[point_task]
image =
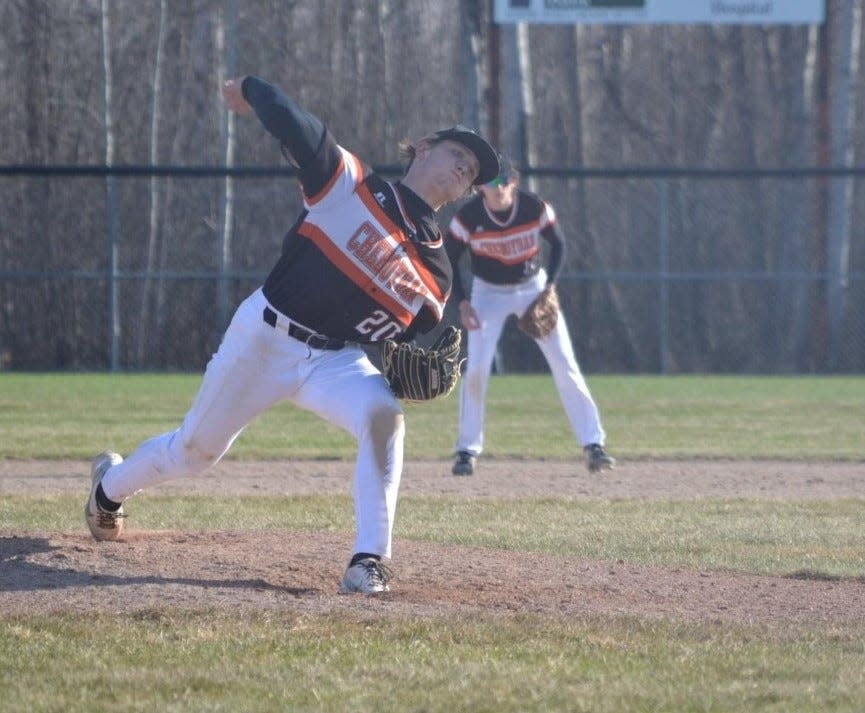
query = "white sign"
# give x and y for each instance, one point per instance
(671, 12)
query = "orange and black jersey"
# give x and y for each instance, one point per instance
(365, 260)
(505, 248)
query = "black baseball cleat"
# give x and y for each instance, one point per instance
(597, 458)
(464, 464)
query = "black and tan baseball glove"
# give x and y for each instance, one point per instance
(418, 374)
(541, 315)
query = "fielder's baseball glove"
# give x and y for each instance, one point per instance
(541, 316)
(418, 374)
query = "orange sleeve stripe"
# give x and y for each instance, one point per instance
(425, 275)
(354, 273)
(373, 207)
(337, 174)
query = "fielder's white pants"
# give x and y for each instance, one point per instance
(494, 304)
(257, 366)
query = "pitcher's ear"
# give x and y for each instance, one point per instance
(422, 148)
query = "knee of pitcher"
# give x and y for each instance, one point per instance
(386, 433)
(387, 423)
(194, 457)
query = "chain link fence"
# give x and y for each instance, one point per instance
(665, 271)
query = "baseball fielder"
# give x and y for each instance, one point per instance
(364, 262)
(502, 229)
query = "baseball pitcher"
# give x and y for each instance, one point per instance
(364, 263)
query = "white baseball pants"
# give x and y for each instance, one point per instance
(493, 304)
(257, 366)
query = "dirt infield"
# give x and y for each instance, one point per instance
(48, 571)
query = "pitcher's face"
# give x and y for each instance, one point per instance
(451, 167)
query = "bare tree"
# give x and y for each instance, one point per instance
(519, 97)
(845, 71)
(155, 186)
(793, 92)
(472, 18)
(111, 190)
(225, 46)
(591, 95)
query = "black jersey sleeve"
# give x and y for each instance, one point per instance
(456, 248)
(423, 323)
(553, 236)
(299, 131)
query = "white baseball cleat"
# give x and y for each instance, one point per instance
(103, 524)
(367, 576)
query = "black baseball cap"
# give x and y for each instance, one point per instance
(484, 153)
(506, 171)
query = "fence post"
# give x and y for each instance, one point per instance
(113, 231)
(663, 188)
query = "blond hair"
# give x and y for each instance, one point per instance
(408, 148)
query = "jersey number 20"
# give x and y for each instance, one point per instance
(378, 326)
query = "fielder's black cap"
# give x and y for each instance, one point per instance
(506, 169)
(487, 158)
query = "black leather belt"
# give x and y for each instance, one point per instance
(302, 334)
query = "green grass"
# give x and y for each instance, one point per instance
(213, 661)
(824, 538)
(814, 418)
(372, 656)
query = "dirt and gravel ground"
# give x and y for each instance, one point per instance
(237, 570)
